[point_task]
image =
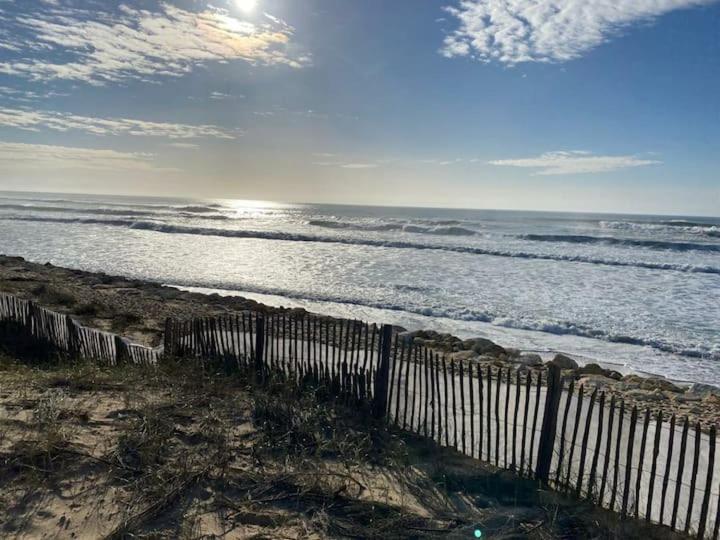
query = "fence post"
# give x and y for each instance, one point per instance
(169, 338)
(379, 407)
(73, 341)
(122, 354)
(260, 348)
(547, 432)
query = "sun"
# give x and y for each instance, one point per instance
(247, 6)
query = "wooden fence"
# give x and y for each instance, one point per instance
(23, 321)
(582, 442)
(535, 422)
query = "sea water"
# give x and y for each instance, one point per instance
(638, 292)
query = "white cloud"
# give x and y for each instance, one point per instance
(23, 157)
(344, 165)
(101, 46)
(514, 31)
(576, 162)
(358, 166)
(33, 120)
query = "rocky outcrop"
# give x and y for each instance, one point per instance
(564, 362)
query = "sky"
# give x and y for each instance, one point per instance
(576, 105)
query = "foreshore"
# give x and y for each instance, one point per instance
(137, 309)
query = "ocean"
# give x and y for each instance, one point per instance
(638, 292)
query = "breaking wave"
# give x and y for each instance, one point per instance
(396, 244)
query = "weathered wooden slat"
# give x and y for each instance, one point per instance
(445, 402)
(436, 377)
(395, 381)
(653, 467)
(608, 446)
(489, 414)
(668, 462)
(528, 385)
(515, 421)
(681, 468)
(472, 409)
(693, 477)
(641, 462)
(406, 397)
(563, 429)
(497, 417)
(702, 525)
(454, 403)
(480, 410)
(628, 461)
(538, 393)
(616, 469)
(598, 441)
(426, 394)
(462, 407)
(415, 428)
(576, 425)
(584, 446)
(506, 420)
(433, 397)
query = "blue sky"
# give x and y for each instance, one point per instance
(559, 104)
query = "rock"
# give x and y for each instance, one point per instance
(687, 398)
(659, 384)
(596, 381)
(564, 362)
(528, 360)
(592, 369)
(703, 390)
(483, 346)
(465, 356)
(645, 395)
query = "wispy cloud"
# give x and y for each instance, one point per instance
(27, 96)
(23, 157)
(575, 162)
(514, 31)
(99, 47)
(34, 120)
(347, 165)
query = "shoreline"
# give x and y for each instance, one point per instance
(137, 309)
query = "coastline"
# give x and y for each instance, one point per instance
(137, 309)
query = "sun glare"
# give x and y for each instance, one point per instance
(246, 5)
